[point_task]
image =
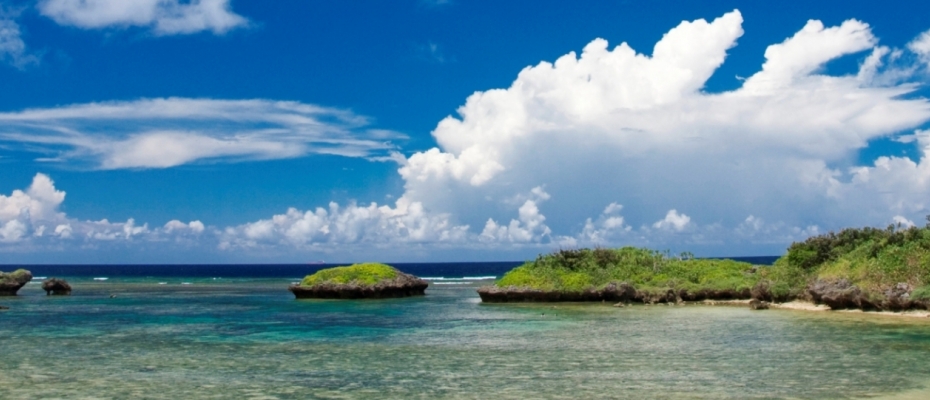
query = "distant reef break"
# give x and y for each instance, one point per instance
(359, 281)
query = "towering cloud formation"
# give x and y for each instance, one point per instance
(614, 125)
(21, 209)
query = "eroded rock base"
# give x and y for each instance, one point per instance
(56, 287)
(837, 295)
(10, 283)
(613, 292)
(404, 285)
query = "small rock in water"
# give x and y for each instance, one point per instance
(756, 304)
(112, 296)
(620, 304)
(4, 308)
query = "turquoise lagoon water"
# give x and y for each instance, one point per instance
(248, 338)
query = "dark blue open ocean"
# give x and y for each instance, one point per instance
(447, 270)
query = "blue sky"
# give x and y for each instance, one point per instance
(185, 131)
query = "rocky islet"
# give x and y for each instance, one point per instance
(359, 281)
(11, 282)
(56, 287)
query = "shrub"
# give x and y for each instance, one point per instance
(20, 275)
(921, 293)
(871, 258)
(363, 274)
(575, 270)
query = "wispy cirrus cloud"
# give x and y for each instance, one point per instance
(167, 132)
(163, 17)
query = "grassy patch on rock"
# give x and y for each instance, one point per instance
(647, 270)
(15, 276)
(872, 259)
(361, 274)
(11, 282)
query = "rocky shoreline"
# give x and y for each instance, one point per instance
(828, 295)
(612, 292)
(841, 294)
(403, 285)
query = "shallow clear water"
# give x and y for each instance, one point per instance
(248, 338)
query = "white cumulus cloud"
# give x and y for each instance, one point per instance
(163, 17)
(405, 223)
(31, 218)
(609, 227)
(529, 227)
(39, 202)
(673, 221)
(899, 220)
(616, 125)
(195, 227)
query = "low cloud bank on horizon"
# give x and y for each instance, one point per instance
(609, 147)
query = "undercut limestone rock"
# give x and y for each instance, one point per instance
(841, 294)
(56, 287)
(756, 304)
(614, 292)
(11, 282)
